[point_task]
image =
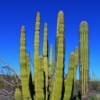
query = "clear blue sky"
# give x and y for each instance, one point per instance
(14, 13)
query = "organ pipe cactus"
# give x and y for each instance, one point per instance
(51, 64)
(28, 76)
(45, 59)
(28, 66)
(18, 95)
(59, 72)
(51, 70)
(69, 78)
(41, 79)
(84, 58)
(76, 62)
(49, 82)
(37, 67)
(23, 64)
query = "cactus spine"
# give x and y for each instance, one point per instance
(45, 59)
(84, 72)
(70, 77)
(59, 72)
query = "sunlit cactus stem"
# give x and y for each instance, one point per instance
(38, 72)
(28, 76)
(70, 78)
(28, 67)
(18, 95)
(51, 70)
(59, 71)
(76, 63)
(41, 80)
(23, 65)
(36, 55)
(51, 64)
(45, 58)
(84, 58)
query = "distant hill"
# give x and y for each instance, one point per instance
(94, 85)
(9, 78)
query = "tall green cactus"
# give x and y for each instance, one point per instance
(51, 70)
(69, 78)
(38, 88)
(41, 80)
(28, 67)
(45, 58)
(84, 58)
(59, 72)
(23, 64)
(28, 76)
(51, 64)
(18, 95)
(76, 62)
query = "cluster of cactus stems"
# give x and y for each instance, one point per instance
(48, 78)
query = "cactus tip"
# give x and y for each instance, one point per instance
(61, 13)
(84, 26)
(23, 28)
(38, 13)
